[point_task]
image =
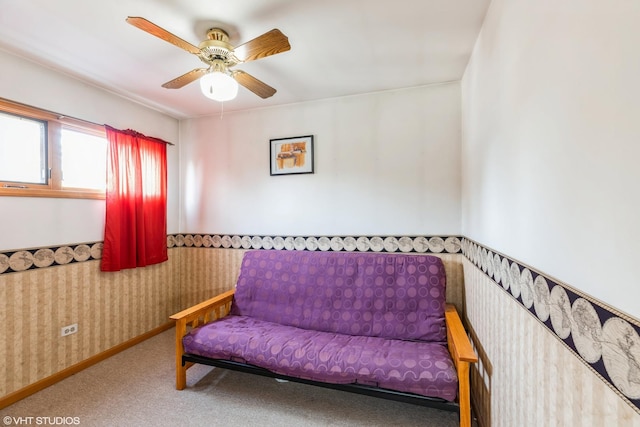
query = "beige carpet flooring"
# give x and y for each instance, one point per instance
(136, 388)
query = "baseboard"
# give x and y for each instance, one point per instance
(17, 395)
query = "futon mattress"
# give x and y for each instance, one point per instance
(418, 367)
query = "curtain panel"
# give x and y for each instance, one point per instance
(135, 232)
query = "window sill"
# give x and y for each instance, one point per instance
(45, 192)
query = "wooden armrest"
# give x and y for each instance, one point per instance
(197, 310)
(462, 354)
(204, 312)
(459, 343)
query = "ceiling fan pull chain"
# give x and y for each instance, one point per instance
(221, 110)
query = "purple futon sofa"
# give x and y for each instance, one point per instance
(374, 323)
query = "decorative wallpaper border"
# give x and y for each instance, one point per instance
(604, 339)
(406, 244)
(28, 259)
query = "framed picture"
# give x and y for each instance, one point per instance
(291, 155)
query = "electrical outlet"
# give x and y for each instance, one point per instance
(68, 330)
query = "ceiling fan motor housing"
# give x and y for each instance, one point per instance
(217, 47)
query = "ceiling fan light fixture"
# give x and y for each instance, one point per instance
(217, 80)
(219, 86)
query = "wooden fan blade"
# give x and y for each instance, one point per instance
(165, 35)
(185, 79)
(261, 89)
(268, 44)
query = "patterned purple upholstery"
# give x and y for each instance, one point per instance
(411, 366)
(375, 319)
(371, 294)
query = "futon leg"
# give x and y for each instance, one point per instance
(464, 395)
(181, 369)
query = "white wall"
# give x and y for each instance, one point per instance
(386, 163)
(31, 222)
(551, 107)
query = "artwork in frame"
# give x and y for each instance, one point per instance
(291, 155)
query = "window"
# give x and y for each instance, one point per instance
(23, 149)
(43, 154)
(84, 160)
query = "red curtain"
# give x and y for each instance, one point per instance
(135, 232)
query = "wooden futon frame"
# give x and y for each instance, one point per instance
(458, 343)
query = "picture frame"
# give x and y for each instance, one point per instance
(293, 155)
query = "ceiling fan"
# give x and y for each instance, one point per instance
(218, 80)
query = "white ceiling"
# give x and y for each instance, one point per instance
(338, 47)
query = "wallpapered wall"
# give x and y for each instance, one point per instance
(44, 289)
(549, 153)
(548, 354)
(109, 308)
(584, 366)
